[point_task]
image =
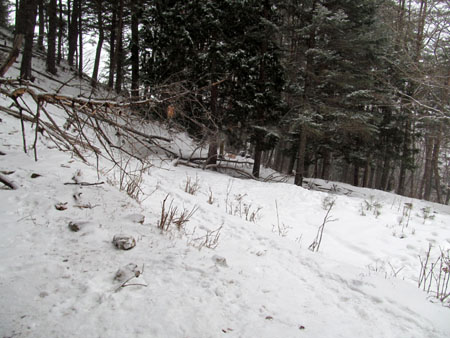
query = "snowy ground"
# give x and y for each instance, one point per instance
(260, 281)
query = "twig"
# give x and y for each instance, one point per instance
(83, 183)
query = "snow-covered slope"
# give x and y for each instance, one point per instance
(260, 281)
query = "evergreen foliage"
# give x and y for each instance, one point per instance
(356, 91)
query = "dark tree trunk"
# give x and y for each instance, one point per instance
(40, 41)
(112, 46)
(356, 176)
(404, 159)
(135, 16)
(16, 17)
(60, 32)
(372, 177)
(291, 163)
(26, 24)
(119, 72)
(101, 39)
(212, 153)
(385, 173)
(278, 156)
(326, 166)
(299, 171)
(257, 159)
(428, 173)
(366, 175)
(80, 43)
(435, 166)
(51, 39)
(12, 57)
(73, 32)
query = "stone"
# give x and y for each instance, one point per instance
(124, 242)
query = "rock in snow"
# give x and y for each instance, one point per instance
(124, 242)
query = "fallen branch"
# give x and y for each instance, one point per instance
(84, 184)
(7, 182)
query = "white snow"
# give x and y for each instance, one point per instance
(260, 281)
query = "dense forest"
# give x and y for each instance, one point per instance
(344, 90)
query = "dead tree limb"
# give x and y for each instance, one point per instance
(12, 55)
(7, 182)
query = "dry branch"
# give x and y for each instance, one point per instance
(7, 182)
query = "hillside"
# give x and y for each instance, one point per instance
(239, 266)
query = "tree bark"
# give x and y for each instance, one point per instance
(257, 159)
(60, 32)
(51, 39)
(212, 152)
(366, 175)
(80, 43)
(101, 39)
(404, 159)
(40, 41)
(326, 165)
(356, 176)
(26, 24)
(299, 171)
(112, 46)
(385, 173)
(428, 173)
(73, 32)
(135, 17)
(435, 165)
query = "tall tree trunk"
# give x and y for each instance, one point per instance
(120, 61)
(291, 163)
(428, 172)
(278, 155)
(212, 152)
(112, 46)
(257, 159)
(326, 165)
(135, 17)
(40, 41)
(73, 33)
(213, 143)
(299, 171)
(16, 16)
(385, 173)
(404, 158)
(51, 39)
(26, 24)
(80, 43)
(372, 178)
(435, 165)
(356, 175)
(60, 32)
(101, 39)
(366, 175)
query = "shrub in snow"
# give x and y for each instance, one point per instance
(171, 216)
(219, 260)
(372, 205)
(191, 186)
(426, 213)
(124, 242)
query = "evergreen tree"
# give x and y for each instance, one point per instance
(202, 43)
(332, 52)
